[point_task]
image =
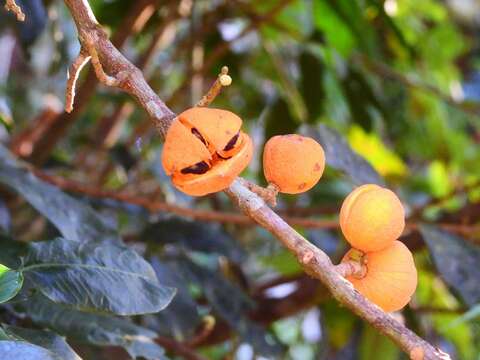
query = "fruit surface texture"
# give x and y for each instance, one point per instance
(372, 218)
(390, 279)
(293, 163)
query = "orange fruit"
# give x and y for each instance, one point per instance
(293, 163)
(371, 218)
(205, 150)
(390, 279)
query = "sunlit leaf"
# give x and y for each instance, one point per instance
(371, 147)
(438, 179)
(11, 282)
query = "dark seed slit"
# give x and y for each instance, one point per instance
(199, 168)
(232, 142)
(199, 136)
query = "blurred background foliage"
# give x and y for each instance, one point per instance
(391, 89)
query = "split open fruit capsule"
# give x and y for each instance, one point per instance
(371, 218)
(293, 163)
(205, 150)
(390, 279)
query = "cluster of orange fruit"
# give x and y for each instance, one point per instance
(372, 219)
(205, 150)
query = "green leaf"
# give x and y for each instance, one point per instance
(99, 330)
(92, 277)
(45, 339)
(456, 260)
(340, 156)
(283, 262)
(11, 282)
(311, 83)
(231, 303)
(194, 235)
(74, 219)
(279, 120)
(371, 147)
(337, 33)
(373, 343)
(181, 318)
(470, 315)
(21, 350)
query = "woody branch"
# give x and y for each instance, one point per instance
(314, 261)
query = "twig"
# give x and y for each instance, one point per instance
(11, 5)
(222, 217)
(87, 52)
(72, 77)
(314, 261)
(268, 194)
(89, 46)
(128, 77)
(222, 80)
(350, 268)
(46, 139)
(208, 325)
(159, 206)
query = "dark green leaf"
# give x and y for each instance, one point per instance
(340, 156)
(12, 251)
(311, 83)
(11, 282)
(361, 98)
(181, 318)
(456, 260)
(194, 235)
(232, 304)
(45, 339)
(88, 276)
(75, 220)
(279, 119)
(95, 329)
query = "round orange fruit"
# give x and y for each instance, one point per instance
(293, 163)
(390, 278)
(371, 218)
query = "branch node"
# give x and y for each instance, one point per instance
(307, 257)
(268, 194)
(222, 80)
(352, 268)
(11, 5)
(72, 76)
(417, 353)
(103, 77)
